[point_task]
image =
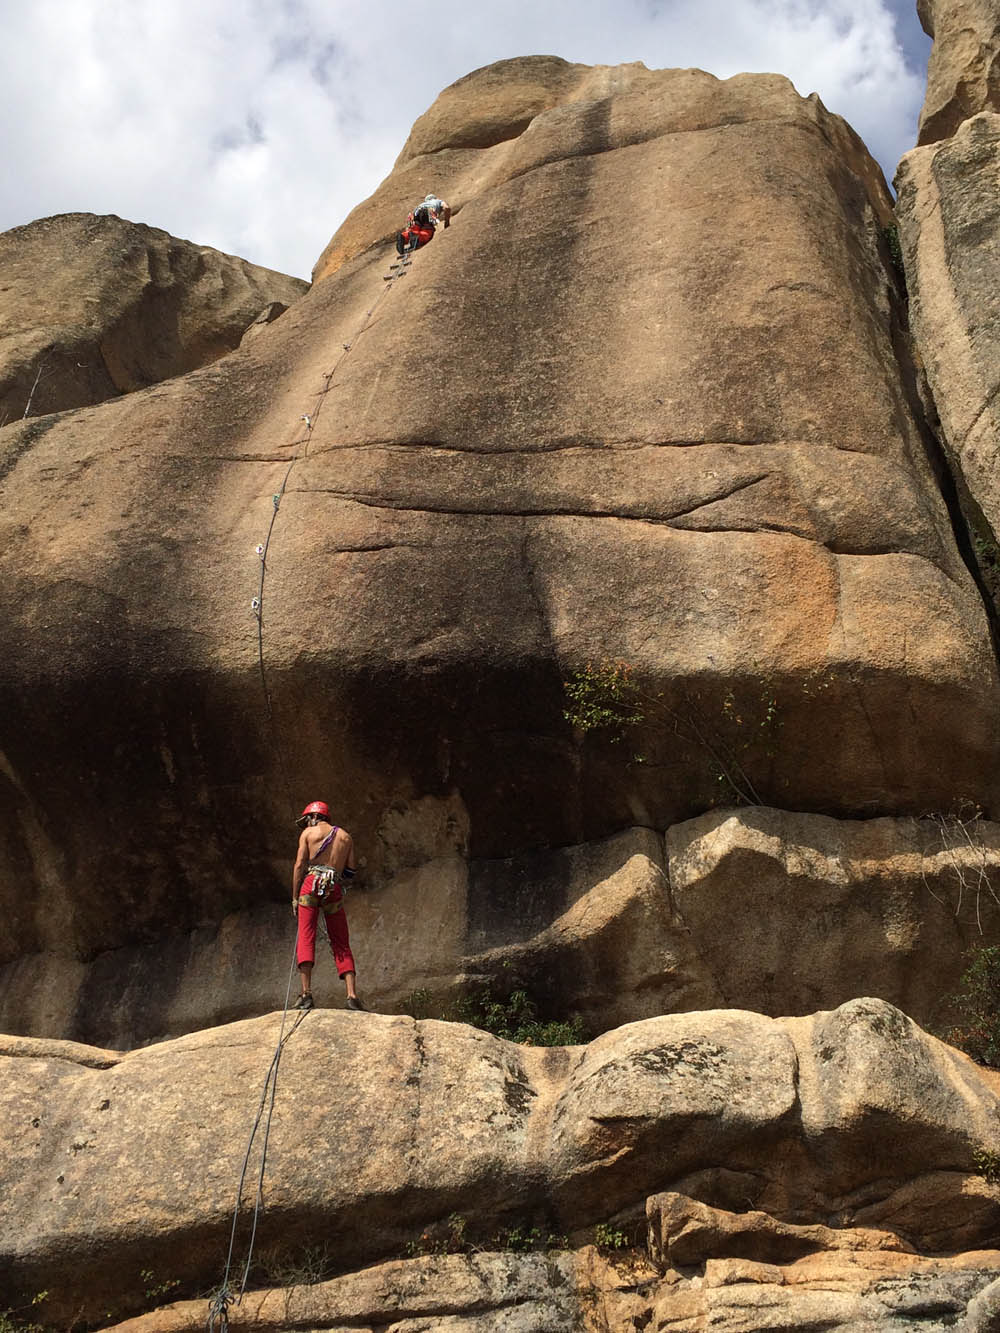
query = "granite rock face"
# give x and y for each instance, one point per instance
(720, 1107)
(828, 909)
(511, 117)
(587, 1291)
(650, 399)
(94, 307)
(753, 908)
(949, 226)
(632, 441)
(586, 930)
(963, 73)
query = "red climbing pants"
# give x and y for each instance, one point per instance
(336, 928)
(423, 234)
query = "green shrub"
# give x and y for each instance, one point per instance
(17, 1321)
(418, 1004)
(285, 1266)
(732, 734)
(891, 237)
(987, 1163)
(154, 1289)
(450, 1236)
(446, 1238)
(11, 1322)
(512, 1017)
(525, 1239)
(603, 697)
(607, 1237)
(515, 1018)
(979, 1003)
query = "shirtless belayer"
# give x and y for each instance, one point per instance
(323, 866)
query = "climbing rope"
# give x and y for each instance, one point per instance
(218, 1313)
(261, 550)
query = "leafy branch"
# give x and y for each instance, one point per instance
(608, 697)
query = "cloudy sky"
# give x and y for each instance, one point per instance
(256, 125)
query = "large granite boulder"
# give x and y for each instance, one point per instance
(646, 399)
(963, 73)
(119, 1173)
(949, 226)
(590, 1291)
(827, 909)
(511, 117)
(95, 306)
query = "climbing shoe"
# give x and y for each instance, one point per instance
(304, 1002)
(399, 243)
(354, 1003)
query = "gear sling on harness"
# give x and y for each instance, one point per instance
(325, 882)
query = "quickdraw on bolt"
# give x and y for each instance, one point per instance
(255, 605)
(277, 500)
(259, 548)
(307, 420)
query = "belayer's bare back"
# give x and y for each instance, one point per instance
(336, 851)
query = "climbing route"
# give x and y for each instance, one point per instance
(309, 419)
(225, 1297)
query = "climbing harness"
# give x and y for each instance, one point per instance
(326, 877)
(325, 883)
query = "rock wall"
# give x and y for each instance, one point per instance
(590, 1291)
(754, 908)
(820, 910)
(949, 222)
(587, 930)
(949, 228)
(511, 117)
(382, 1128)
(623, 439)
(94, 307)
(652, 398)
(963, 73)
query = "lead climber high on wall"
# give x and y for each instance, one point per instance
(422, 222)
(323, 865)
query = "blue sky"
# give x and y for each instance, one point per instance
(256, 125)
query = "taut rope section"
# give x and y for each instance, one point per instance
(310, 419)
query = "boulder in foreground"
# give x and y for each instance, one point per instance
(383, 1127)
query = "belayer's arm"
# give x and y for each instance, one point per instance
(299, 869)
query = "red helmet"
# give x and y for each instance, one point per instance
(314, 808)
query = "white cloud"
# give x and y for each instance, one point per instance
(256, 125)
